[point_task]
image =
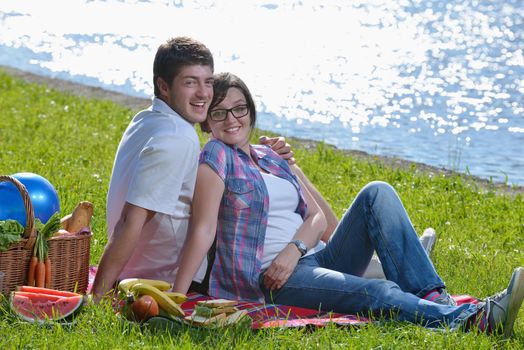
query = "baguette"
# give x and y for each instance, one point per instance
(235, 317)
(217, 303)
(80, 218)
(204, 321)
(223, 310)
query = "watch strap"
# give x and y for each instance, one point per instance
(301, 246)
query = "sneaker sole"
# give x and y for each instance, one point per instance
(516, 288)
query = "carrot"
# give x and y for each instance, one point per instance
(47, 263)
(40, 274)
(31, 271)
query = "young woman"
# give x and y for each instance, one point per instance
(268, 229)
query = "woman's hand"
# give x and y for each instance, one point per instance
(281, 268)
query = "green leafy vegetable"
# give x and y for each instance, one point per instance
(7, 239)
(52, 225)
(10, 232)
(203, 311)
(44, 233)
(11, 227)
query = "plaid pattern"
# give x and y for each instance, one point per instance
(242, 218)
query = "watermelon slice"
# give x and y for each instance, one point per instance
(39, 307)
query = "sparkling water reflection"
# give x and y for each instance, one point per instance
(439, 82)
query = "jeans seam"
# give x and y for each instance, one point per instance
(371, 215)
(387, 306)
(335, 251)
(312, 289)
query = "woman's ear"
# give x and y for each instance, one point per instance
(204, 126)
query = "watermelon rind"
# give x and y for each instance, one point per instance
(33, 307)
(41, 290)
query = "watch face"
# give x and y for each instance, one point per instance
(301, 246)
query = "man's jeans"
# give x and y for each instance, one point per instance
(331, 280)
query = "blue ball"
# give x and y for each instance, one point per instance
(42, 193)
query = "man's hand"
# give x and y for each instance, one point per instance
(280, 146)
(281, 268)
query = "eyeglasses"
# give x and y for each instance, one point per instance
(219, 115)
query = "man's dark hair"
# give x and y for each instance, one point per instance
(177, 53)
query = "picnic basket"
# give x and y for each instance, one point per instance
(69, 254)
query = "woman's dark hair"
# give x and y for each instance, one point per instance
(177, 53)
(222, 83)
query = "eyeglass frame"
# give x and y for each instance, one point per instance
(229, 110)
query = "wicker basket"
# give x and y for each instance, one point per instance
(69, 254)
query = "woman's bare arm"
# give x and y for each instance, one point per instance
(209, 189)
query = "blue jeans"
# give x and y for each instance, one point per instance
(331, 279)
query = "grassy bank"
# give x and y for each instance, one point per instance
(71, 141)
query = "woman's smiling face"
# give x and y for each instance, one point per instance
(232, 131)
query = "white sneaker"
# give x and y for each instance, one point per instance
(428, 239)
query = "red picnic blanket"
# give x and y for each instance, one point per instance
(283, 316)
(274, 315)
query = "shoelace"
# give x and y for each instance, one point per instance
(499, 295)
(445, 299)
(487, 312)
(489, 309)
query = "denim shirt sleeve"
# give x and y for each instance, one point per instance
(214, 155)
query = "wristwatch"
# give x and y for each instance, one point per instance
(301, 246)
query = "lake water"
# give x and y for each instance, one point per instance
(432, 81)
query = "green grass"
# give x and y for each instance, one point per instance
(72, 141)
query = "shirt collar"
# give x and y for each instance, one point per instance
(158, 105)
(257, 151)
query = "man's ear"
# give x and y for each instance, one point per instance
(163, 87)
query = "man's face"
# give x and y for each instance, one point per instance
(191, 92)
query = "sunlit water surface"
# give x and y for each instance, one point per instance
(433, 81)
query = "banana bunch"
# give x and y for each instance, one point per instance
(164, 302)
(178, 298)
(126, 284)
(158, 290)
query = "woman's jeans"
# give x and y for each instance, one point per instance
(331, 280)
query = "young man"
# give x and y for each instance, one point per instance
(153, 178)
